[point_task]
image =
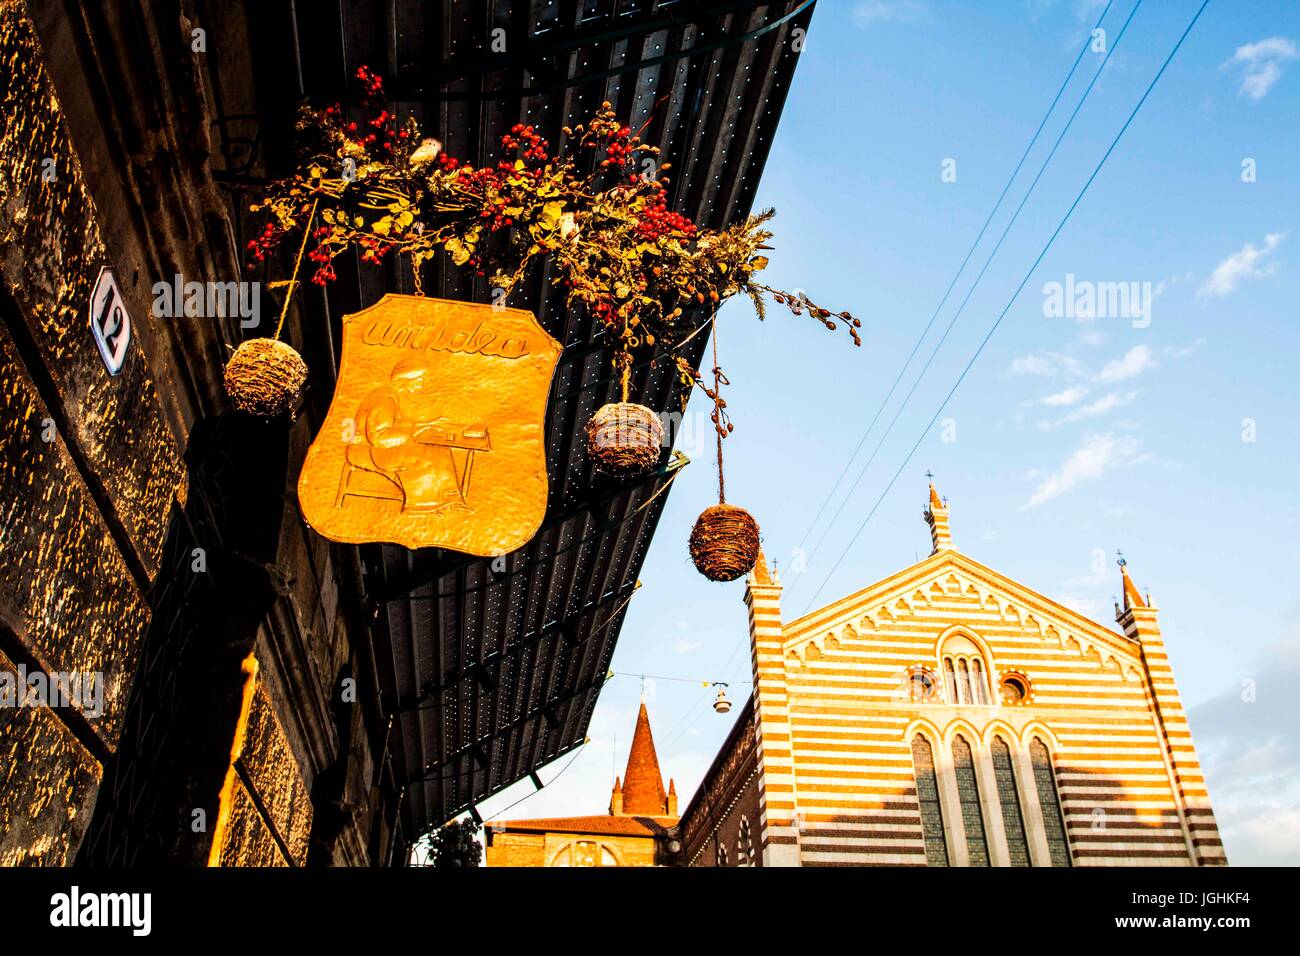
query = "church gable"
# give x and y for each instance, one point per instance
(945, 589)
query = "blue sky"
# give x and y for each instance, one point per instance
(1174, 439)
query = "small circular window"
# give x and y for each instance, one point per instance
(1015, 689)
(921, 685)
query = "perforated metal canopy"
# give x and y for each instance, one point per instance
(491, 670)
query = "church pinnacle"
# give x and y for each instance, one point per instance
(1132, 598)
(936, 516)
(761, 574)
(1136, 615)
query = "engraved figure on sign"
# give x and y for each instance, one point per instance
(416, 453)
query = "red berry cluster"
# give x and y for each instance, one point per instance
(372, 85)
(619, 150)
(658, 220)
(496, 193)
(384, 132)
(321, 256)
(526, 138)
(373, 250)
(262, 246)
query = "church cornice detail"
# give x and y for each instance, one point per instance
(1008, 594)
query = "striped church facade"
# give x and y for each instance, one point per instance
(949, 716)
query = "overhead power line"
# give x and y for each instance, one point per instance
(1015, 295)
(957, 275)
(974, 285)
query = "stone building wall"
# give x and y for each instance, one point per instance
(569, 849)
(130, 546)
(88, 471)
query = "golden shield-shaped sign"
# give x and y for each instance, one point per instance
(436, 436)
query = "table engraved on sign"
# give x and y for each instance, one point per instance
(414, 456)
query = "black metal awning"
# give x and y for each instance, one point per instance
(489, 672)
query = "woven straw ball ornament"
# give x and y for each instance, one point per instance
(624, 440)
(724, 543)
(265, 377)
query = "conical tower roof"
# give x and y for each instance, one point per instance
(1131, 596)
(643, 782)
(936, 503)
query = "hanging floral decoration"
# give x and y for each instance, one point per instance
(595, 209)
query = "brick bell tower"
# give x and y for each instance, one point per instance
(640, 791)
(639, 830)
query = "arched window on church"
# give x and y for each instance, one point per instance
(927, 795)
(744, 844)
(968, 792)
(965, 672)
(1008, 796)
(586, 853)
(978, 682)
(1049, 800)
(963, 681)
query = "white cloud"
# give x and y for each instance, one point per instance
(1065, 397)
(1097, 455)
(683, 646)
(869, 12)
(1135, 361)
(1101, 406)
(1261, 832)
(1047, 363)
(1182, 351)
(1252, 763)
(1084, 9)
(1245, 263)
(1261, 64)
(1130, 365)
(1036, 364)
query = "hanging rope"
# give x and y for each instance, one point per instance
(718, 427)
(415, 276)
(623, 362)
(293, 280)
